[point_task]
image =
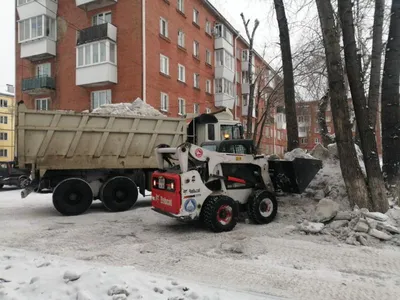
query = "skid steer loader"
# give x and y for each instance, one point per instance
(214, 183)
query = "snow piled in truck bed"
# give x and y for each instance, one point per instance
(136, 108)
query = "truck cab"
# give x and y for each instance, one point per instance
(11, 174)
(217, 126)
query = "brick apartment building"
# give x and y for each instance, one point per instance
(180, 56)
(307, 118)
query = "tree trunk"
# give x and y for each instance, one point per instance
(351, 171)
(376, 62)
(251, 95)
(390, 111)
(323, 128)
(367, 133)
(288, 81)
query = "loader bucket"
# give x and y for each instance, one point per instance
(293, 176)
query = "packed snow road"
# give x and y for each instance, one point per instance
(271, 259)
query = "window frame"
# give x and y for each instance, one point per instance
(181, 6)
(108, 98)
(104, 21)
(196, 16)
(181, 38)
(164, 106)
(196, 80)
(164, 59)
(41, 100)
(181, 106)
(106, 50)
(47, 31)
(183, 68)
(162, 28)
(3, 136)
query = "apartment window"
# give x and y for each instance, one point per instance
(328, 118)
(3, 120)
(237, 53)
(223, 58)
(164, 64)
(181, 6)
(304, 140)
(37, 27)
(218, 85)
(195, 16)
(208, 110)
(100, 98)
(163, 27)
(3, 103)
(223, 32)
(164, 102)
(223, 85)
(181, 39)
(181, 73)
(245, 55)
(316, 140)
(208, 86)
(244, 100)
(196, 48)
(196, 80)
(43, 70)
(208, 57)
(42, 104)
(95, 53)
(196, 108)
(237, 76)
(316, 130)
(302, 129)
(101, 18)
(208, 27)
(3, 153)
(329, 129)
(237, 100)
(3, 136)
(181, 106)
(245, 77)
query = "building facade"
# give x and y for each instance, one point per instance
(7, 123)
(180, 56)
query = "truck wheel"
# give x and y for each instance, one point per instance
(262, 207)
(119, 194)
(72, 196)
(219, 213)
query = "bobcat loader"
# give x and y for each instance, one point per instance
(213, 186)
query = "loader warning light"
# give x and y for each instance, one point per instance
(226, 136)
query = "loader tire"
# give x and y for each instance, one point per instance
(262, 207)
(119, 194)
(220, 213)
(72, 197)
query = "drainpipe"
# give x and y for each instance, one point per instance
(235, 79)
(144, 49)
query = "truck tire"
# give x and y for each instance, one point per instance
(219, 213)
(119, 194)
(72, 196)
(262, 207)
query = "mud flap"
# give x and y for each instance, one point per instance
(293, 176)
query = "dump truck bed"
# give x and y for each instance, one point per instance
(61, 140)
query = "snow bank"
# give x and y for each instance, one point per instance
(31, 276)
(136, 108)
(298, 152)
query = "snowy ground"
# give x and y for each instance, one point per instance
(265, 260)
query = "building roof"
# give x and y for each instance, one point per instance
(7, 94)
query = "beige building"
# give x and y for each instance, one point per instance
(7, 125)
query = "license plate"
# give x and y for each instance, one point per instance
(161, 183)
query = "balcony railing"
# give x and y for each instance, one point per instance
(97, 33)
(38, 84)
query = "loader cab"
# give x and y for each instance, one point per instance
(231, 146)
(212, 127)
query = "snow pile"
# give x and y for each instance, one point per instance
(26, 275)
(297, 153)
(136, 108)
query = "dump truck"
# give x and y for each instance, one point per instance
(82, 157)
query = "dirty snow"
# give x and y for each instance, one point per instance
(298, 152)
(136, 108)
(274, 260)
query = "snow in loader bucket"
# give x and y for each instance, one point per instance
(293, 176)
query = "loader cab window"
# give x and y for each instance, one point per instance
(211, 132)
(230, 132)
(211, 147)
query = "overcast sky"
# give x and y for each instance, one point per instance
(267, 33)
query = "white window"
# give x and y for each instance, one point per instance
(181, 106)
(100, 98)
(3, 103)
(42, 104)
(208, 27)
(3, 120)
(101, 18)
(196, 108)
(208, 110)
(237, 100)
(245, 55)
(245, 77)
(218, 85)
(223, 32)
(237, 76)
(43, 70)
(181, 39)
(196, 48)
(3, 136)
(244, 100)
(181, 73)
(223, 58)
(328, 118)
(196, 80)
(195, 16)
(237, 53)
(208, 86)
(329, 129)
(37, 27)
(304, 140)
(22, 2)
(316, 140)
(95, 53)
(208, 57)
(164, 64)
(181, 6)
(3, 153)
(164, 102)
(223, 85)
(163, 27)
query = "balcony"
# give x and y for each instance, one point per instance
(280, 121)
(38, 49)
(223, 38)
(245, 62)
(245, 88)
(245, 109)
(224, 100)
(224, 72)
(94, 4)
(31, 8)
(38, 85)
(96, 33)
